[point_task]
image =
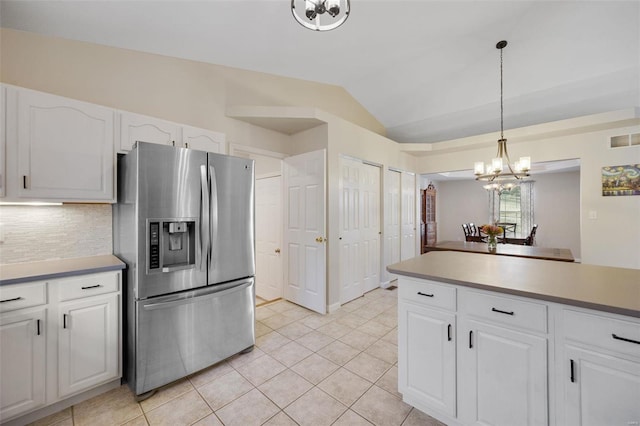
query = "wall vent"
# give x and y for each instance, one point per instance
(625, 140)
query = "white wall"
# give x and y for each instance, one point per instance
(557, 210)
(458, 202)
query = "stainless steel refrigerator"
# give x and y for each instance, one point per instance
(184, 225)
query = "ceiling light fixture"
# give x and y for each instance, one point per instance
(321, 15)
(499, 188)
(494, 170)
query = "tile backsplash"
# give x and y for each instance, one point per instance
(35, 233)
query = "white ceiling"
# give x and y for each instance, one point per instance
(427, 70)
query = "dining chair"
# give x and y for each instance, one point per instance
(531, 239)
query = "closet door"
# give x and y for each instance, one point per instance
(370, 232)
(408, 211)
(391, 242)
(351, 251)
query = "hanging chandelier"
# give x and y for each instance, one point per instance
(321, 15)
(495, 171)
(499, 187)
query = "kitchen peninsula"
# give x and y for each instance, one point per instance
(509, 340)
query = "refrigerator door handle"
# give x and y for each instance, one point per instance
(205, 243)
(201, 294)
(213, 236)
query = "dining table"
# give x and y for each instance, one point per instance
(534, 252)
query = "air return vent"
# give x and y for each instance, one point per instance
(625, 140)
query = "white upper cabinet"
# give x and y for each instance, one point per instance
(59, 149)
(136, 127)
(203, 140)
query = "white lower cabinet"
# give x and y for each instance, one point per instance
(58, 338)
(600, 371)
(502, 375)
(516, 361)
(22, 361)
(87, 343)
(427, 371)
(600, 389)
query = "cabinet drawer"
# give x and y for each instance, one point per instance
(88, 285)
(599, 330)
(504, 310)
(427, 293)
(20, 296)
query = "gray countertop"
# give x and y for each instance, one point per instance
(615, 290)
(51, 269)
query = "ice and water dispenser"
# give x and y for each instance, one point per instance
(172, 245)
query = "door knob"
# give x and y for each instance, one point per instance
(320, 239)
(278, 250)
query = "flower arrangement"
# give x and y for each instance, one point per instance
(492, 230)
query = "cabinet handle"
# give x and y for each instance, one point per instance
(624, 339)
(173, 143)
(91, 286)
(425, 294)
(470, 339)
(502, 312)
(186, 144)
(573, 371)
(24, 182)
(38, 327)
(11, 300)
(449, 333)
(64, 320)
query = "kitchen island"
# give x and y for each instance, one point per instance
(509, 340)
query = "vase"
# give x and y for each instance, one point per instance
(492, 244)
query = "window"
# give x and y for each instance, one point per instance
(510, 211)
(514, 206)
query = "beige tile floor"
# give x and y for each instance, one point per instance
(306, 369)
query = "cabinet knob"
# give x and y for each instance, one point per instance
(278, 250)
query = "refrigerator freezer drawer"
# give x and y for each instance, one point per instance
(184, 333)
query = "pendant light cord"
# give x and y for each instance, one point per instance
(501, 104)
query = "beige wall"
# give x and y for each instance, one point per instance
(179, 90)
(613, 238)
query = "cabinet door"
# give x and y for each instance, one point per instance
(65, 148)
(88, 343)
(600, 389)
(136, 127)
(427, 357)
(22, 361)
(203, 140)
(502, 376)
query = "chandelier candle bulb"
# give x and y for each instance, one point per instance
(496, 165)
(478, 168)
(525, 164)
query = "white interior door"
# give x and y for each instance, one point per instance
(370, 234)
(305, 238)
(269, 237)
(351, 259)
(392, 184)
(408, 211)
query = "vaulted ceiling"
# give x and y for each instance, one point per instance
(427, 70)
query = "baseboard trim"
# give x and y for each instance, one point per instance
(61, 405)
(333, 308)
